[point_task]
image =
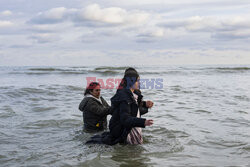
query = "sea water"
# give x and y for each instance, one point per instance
(201, 117)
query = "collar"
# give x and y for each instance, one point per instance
(98, 99)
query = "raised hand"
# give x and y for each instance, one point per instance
(149, 122)
(149, 104)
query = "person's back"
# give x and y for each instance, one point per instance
(124, 117)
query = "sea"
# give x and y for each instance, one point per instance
(201, 116)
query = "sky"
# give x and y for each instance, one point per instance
(124, 32)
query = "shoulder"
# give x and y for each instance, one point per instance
(123, 95)
(84, 103)
(91, 101)
(85, 100)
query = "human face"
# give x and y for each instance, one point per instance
(96, 92)
(136, 85)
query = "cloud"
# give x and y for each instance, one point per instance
(91, 15)
(44, 37)
(52, 16)
(126, 25)
(20, 46)
(219, 27)
(151, 34)
(6, 13)
(208, 23)
(6, 24)
(100, 23)
(50, 28)
(231, 35)
(112, 15)
(44, 28)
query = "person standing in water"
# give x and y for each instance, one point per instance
(135, 135)
(125, 119)
(94, 108)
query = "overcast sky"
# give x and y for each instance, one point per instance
(124, 32)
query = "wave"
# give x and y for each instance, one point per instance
(68, 71)
(106, 72)
(44, 69)
(110, 68)
(116, 70)
(49, 70)
(113, 71)
(57, 69)
(169, 72)
(48, 73)
(103, 72)
(63, 123)
(234, 68)
(227, 69)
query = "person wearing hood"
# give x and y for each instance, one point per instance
(94, 108)
(126, 120)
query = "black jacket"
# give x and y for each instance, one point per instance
(124, 116)
(94, 114)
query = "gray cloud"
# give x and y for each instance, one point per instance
(20, 46)
(144, 40)
(45, 38)
(209, 23)
(149, 37)
(232, 35)
(53, 16)
(218, 27)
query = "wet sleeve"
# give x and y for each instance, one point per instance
(105, 104)
(142, 108)
(127, 120)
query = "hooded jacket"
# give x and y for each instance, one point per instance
(94, 113)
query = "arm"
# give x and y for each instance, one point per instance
(127, 120)
(144, 106)
(82, 105)
(143, 109)
(105, 104)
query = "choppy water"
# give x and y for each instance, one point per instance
(201, 117)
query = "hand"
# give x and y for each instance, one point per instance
(149, 104)
(149, 122)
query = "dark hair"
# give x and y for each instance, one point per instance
(130, 69)
(129, 79)
(90, 88)
(130, 72)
